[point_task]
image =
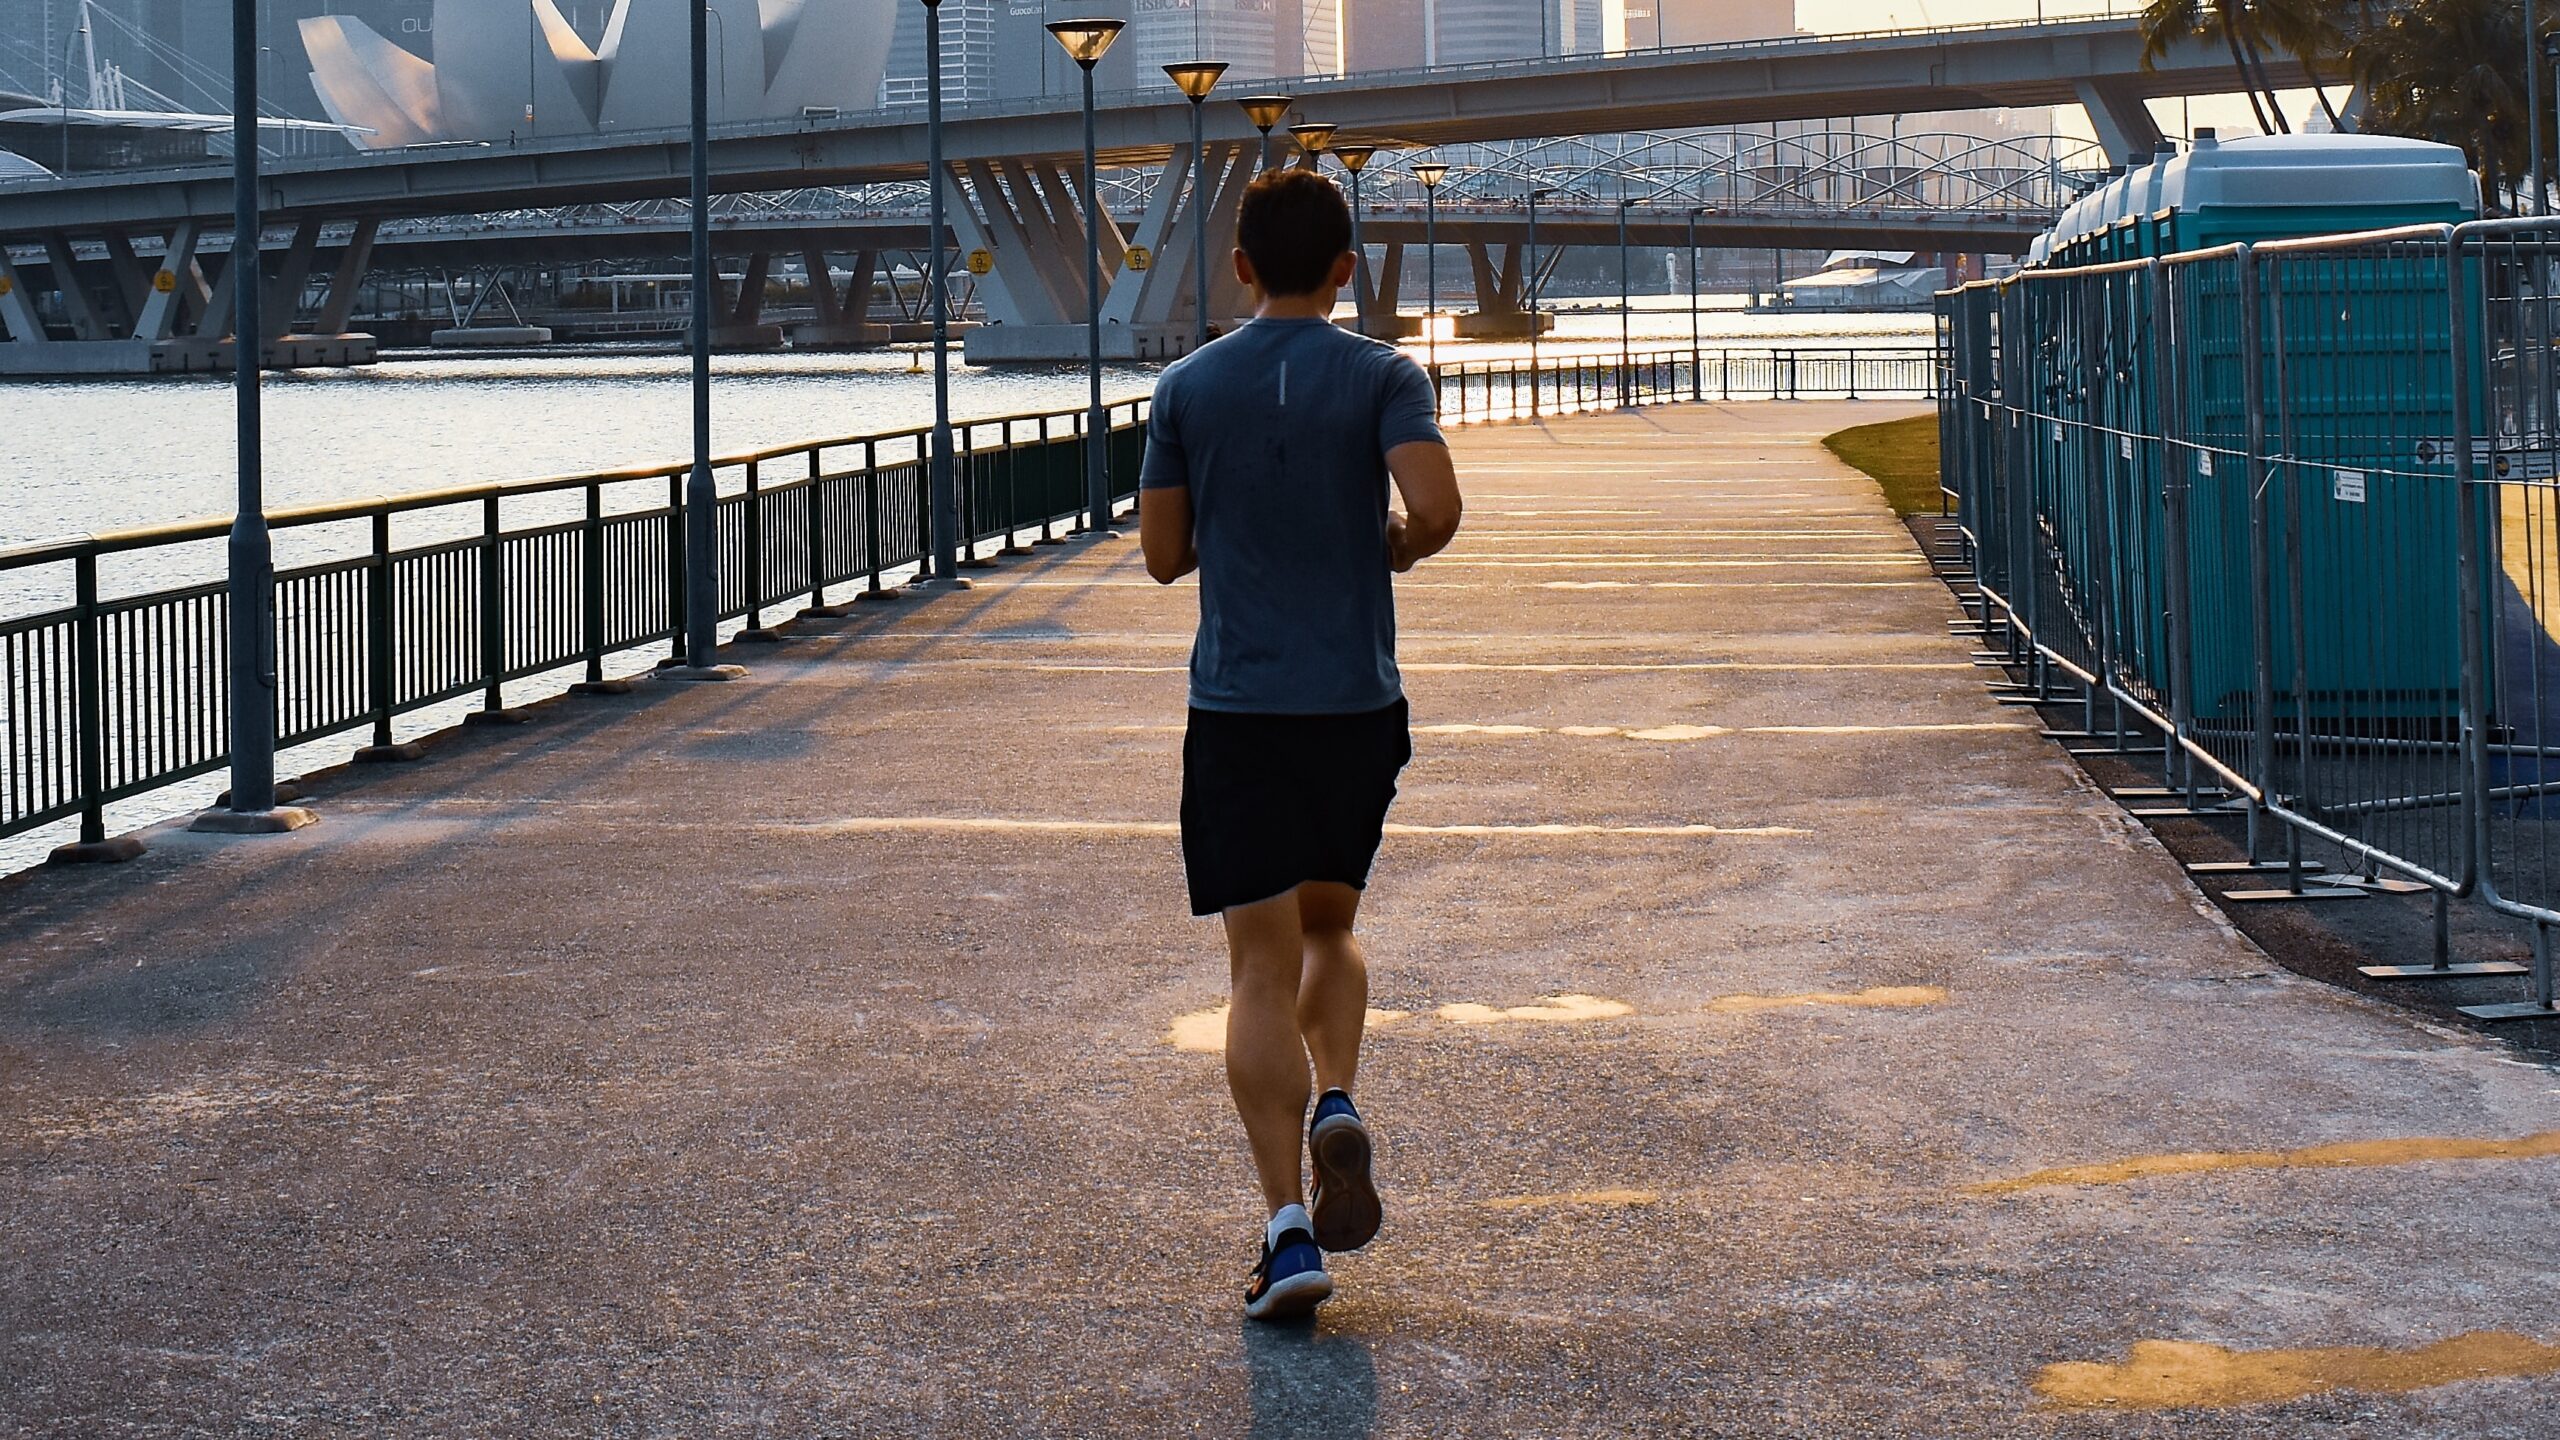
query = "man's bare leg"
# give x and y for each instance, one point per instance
(1266, 1058)
(1333, 990)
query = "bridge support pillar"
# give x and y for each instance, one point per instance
(1379, 319)
(1502, 294)
(128, 316)
(2122, 121)
(744, 328)
(844, 321)
(1026, 220)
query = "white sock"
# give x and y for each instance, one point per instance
(1291, 1217)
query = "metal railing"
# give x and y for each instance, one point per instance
(113, 669)
(121, 686)
(1508, 389)
(2291, 505)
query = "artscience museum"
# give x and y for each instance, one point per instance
(508, 68)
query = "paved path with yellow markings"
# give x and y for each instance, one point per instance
(1774, 1038)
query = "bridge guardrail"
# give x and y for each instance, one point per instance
(2294, 507)
(112, 656)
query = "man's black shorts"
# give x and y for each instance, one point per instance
(1270, 802)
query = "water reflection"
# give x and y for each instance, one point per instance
(1309, 1383)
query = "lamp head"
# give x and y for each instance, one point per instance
(1265, 110)
(1431, 173)
(1087, 41)
(1314, 137)
(1196, 78)
(1355, 157)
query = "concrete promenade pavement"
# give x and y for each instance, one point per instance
(827, 1054)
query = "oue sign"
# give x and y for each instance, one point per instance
(982, 262)
(1141, 258)
(165, 282)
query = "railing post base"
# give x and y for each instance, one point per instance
(403, 754)
(112, 851)
(875, 597)
(282, 820)
(702, 674)
(828, 611)
(759, 635)
(484, 719)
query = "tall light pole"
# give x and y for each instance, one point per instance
(252, 633)
(1196, 80)
(1697, 330)
(1314, 138)
(1355, 158)
(1535, 195)
(1431, 173)
(1626, 304)
(943, 490)
(2533, 109)
(1265, 111)
(1086, 42)
(701, 619)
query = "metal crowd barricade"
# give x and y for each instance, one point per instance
(2295, 506)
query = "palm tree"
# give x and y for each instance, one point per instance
(2314, 32)
(2451, 70)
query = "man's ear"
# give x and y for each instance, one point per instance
(1345, 268)
(1244, 270)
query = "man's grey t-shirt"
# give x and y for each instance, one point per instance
(1280, 431)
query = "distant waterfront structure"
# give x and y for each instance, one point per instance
(508, 68)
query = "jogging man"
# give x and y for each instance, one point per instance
(1268, 458)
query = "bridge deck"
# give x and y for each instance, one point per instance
(821, 1054)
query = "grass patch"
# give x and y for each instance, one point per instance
(1902, 455)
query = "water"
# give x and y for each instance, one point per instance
(85, 456)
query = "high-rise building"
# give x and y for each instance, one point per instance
(1705, 22)
(968, 54)
(1243, 33)
(1466, 31)
(1384, 34)
(1310, 37)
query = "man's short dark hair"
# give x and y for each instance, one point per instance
(1293, 227)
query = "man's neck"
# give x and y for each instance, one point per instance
(1318, 306)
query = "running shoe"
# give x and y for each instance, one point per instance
(1346, 1201)
(1290, 1282)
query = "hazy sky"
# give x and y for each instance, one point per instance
(2230, 114)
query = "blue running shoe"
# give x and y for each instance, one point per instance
(1290, 1282)
(1346, 1201)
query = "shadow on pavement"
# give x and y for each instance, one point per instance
(1309, 1384)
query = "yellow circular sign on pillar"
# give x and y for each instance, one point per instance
(982, 262)
(1141, 258)
(7, 285)
(164, 282)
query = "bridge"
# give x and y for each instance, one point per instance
(1009, 167)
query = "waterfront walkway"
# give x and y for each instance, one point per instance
(825, 1054)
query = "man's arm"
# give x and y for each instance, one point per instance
(1164, 532)
(1427, 478)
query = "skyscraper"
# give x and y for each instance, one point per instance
(1243, 33)
(1705, 22)
(1473, 30)
(1383, 35)
(968, 54)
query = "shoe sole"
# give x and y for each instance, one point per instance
(1347, 1210)
(1292, 1299)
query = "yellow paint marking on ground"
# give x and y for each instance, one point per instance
(1610, 1199)
(1675, 733)
(1884, 997)
(1460, 729)
(1536, 667)
(997, 824)
(1888, 729)
(1734, 584)
(2166, 1374)
(1552, 1010)
(1204, 1032)
(2348, 1155)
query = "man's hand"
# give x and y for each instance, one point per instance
(1428, 480)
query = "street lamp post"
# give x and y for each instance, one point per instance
(943, 490)
(1355, 158)
(2533, 111)
(1535, 195)
(1314, 138)
(1697, 330)
(1265, 111)
(1431, 173)
(1086, 41)
(252, 633)
(1196, 80)
(1626, 305)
